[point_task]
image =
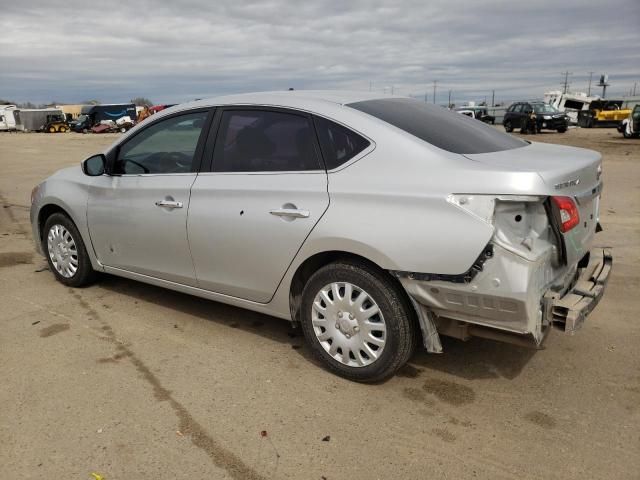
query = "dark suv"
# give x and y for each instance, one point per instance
(546, 116)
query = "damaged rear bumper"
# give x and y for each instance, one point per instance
(569, 311)
(510, 300)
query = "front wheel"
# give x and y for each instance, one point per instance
(66, 253)
(562, 130)
(358, 321)
(508, 126)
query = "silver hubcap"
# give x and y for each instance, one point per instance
(348, 324)
(62, 251)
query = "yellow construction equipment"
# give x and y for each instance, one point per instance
(603, 113)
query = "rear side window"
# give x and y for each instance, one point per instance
(338, 144)
(264, 141)
(440, 127)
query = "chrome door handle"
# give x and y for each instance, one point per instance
(290, 212)
(168, 204)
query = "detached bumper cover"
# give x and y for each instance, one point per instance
(569, 311)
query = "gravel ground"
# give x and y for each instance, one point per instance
(132, 381)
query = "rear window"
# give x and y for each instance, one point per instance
(442, 128)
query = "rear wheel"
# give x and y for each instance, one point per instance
(562, 130)
(508, 126)
(51, 129)
(66, 252)
(357, 321)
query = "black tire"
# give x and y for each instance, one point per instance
(508, 127)
(398, 313)
(562, 130)
(85, 274)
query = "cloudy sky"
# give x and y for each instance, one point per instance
(177, 50)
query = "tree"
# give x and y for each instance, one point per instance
(91, 102)
(142, 102)
(6, 102)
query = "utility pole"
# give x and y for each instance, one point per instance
(634, 88)
(493, 98)
(370, 85)
(566, 81)
(589, 90)
(426, 97)
(449, 104)
(434, 91)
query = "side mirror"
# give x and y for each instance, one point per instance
(94, 166)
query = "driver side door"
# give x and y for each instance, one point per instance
(137, 212)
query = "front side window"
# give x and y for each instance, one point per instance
(264, 141)
(167, 146)
(338, 144)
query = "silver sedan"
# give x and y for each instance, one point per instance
(376, 223)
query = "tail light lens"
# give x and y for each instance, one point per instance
(568, 210)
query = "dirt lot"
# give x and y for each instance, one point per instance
(132, 381)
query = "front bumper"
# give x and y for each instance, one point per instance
(553, 124)
(570, 310)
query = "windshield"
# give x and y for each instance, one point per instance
(81, 118)
(440, 127)
(544, 108)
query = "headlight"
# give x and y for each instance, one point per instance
(547, 117)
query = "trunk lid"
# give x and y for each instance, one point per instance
(566, 171)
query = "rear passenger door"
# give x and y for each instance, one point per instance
(265, 190)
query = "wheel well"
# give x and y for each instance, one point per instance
(46, 212)
(315, 263)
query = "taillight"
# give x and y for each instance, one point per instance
(568, 210)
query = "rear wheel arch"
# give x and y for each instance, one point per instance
(315, 262)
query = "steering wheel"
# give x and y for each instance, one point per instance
(169, 162)
(137, 164)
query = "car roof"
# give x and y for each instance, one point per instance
(291, 98)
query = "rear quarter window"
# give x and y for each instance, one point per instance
(442, 128)
(338, 143)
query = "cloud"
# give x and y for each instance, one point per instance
(176, 51)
